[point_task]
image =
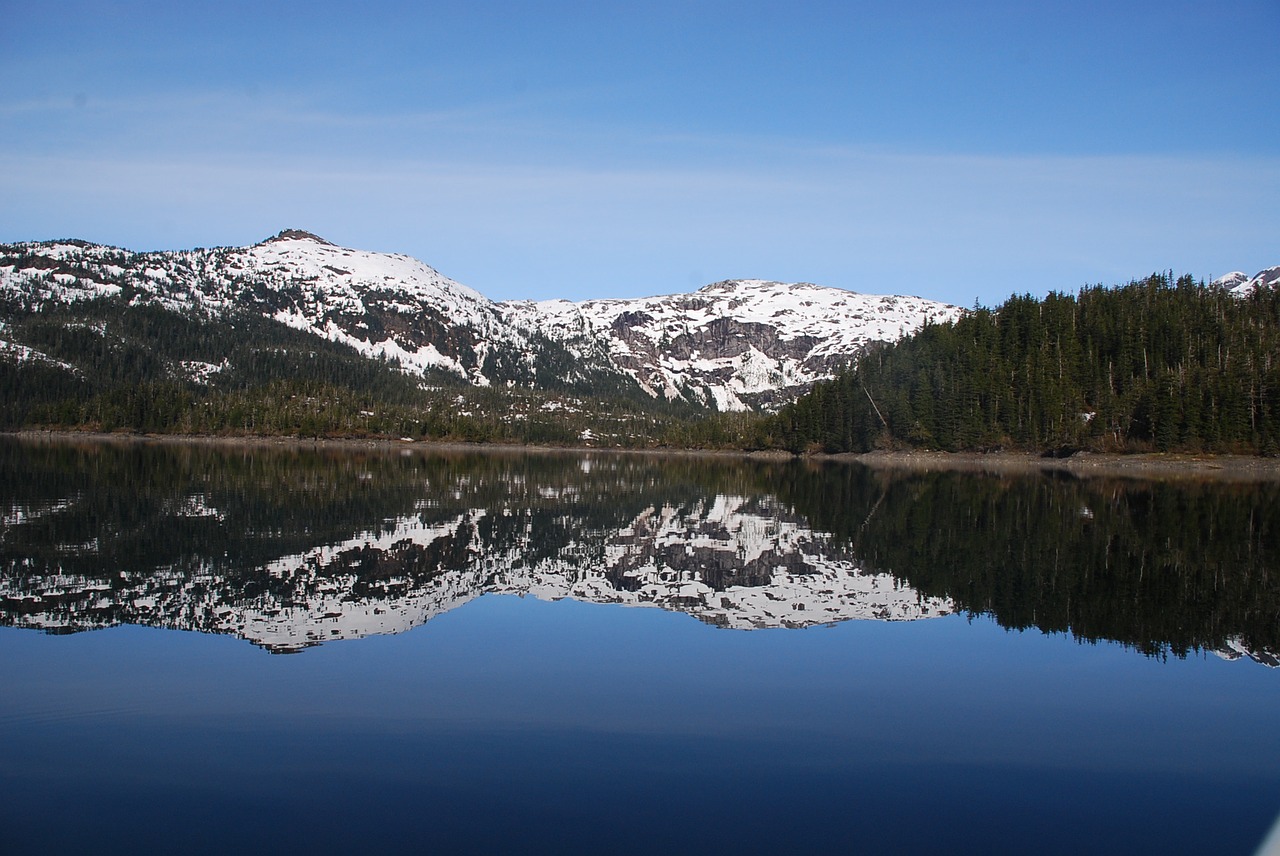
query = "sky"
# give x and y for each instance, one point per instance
(957, 151)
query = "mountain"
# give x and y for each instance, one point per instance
(1240, 283)
(732, 345)
(382, 305)
(736, 344)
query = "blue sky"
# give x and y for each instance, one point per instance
(541, 149)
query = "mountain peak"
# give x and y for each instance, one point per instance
(298, 235)
(1240, 283)
(727, 286)
(762, 287)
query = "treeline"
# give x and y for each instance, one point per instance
(1157, 364)
(108, 365)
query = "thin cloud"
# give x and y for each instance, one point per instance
(944, 226)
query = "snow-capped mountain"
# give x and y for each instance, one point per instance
(383, 305)
(1240, 283)
(732, 345)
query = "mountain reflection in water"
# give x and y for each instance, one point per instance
(289, 548)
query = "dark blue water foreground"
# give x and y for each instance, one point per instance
(586, 688)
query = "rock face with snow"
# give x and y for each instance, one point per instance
(731, 345)
(734, 344)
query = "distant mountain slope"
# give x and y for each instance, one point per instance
(1240, 283)
(385, 306)
(732, 345)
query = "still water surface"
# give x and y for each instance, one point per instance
(319, 651)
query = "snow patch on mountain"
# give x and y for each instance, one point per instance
(19, 353)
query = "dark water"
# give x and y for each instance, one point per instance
(336, 651)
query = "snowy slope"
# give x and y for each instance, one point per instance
(383, 305)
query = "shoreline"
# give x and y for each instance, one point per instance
(371, 444)
(1138, 465)
(1144, 465)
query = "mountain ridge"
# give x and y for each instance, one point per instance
(731, 345)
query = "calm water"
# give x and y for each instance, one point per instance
(235, 650)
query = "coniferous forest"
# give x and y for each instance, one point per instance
(1155, 365)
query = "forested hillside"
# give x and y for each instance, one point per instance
(1157, 364)
(108, 364)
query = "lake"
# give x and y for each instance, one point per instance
(212, 648)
